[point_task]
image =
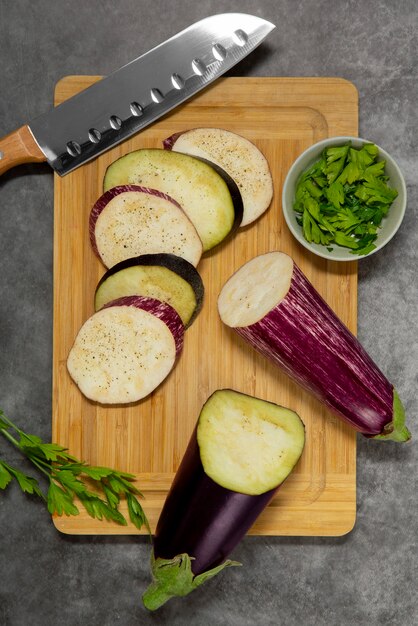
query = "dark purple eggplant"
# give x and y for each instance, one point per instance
(166, 277)
(241, 451)
(272, 305)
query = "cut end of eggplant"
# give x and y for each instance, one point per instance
(242, 449)
(255, 289)
(272, 305)
(237, 156)
(165, 277)
(246, 444)
(174, 578)
(396, 429)
(123, 352)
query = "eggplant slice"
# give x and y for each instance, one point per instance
(124, 351)
(166, 277)
(238, 156)
(130, 220)
(209, 197)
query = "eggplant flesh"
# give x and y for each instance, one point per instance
(208, 195)
(206, 519)
(236, 155)
(129, 220)
(203, 519)
(125, 350)
(272, 305)
(165, 277)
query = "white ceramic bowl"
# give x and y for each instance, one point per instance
(390, 224)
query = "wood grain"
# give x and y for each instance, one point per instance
(19, 147)
(282, 116)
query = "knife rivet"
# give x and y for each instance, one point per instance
(94, 135)
(136, 109)
(115, 122)
(219, 52)
(73, 148)
(198, 67)
(240, 38)
(178, 81)
(156, 95)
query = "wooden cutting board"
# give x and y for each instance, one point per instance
(282, 116)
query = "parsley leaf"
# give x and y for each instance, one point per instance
(344, 197)
(336, 158)
(98, 489)
(5, 476)
(335, 194)
(136, 512)
(60, 501)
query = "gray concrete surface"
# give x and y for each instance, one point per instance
(366, 578)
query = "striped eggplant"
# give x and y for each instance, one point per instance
(272, 305)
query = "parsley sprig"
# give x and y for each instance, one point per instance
(342, 198)
(98, 489)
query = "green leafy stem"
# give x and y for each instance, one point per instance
(174, 578)
(98, 489)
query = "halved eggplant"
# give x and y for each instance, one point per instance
(124, 351)
(166, 277)
(272, 305)
(241, 451)
(210, 197)
(130, 220)
(237, 156)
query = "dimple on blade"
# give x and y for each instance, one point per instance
(140, 92)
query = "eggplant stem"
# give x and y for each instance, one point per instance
(174, 577)
(396, 429)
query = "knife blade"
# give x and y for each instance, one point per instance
(136, 95)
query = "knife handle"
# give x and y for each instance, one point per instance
(19, 147)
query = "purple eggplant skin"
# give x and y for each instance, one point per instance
(162, 310)
(310, 343)
(176, 264)
(201, 518)
(169, 142)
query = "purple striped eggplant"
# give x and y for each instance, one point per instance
(240, 452)
(272, 305)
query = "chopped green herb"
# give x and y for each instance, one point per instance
(343, 198)
(98, 489)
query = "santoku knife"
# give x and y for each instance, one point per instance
(135, 95)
